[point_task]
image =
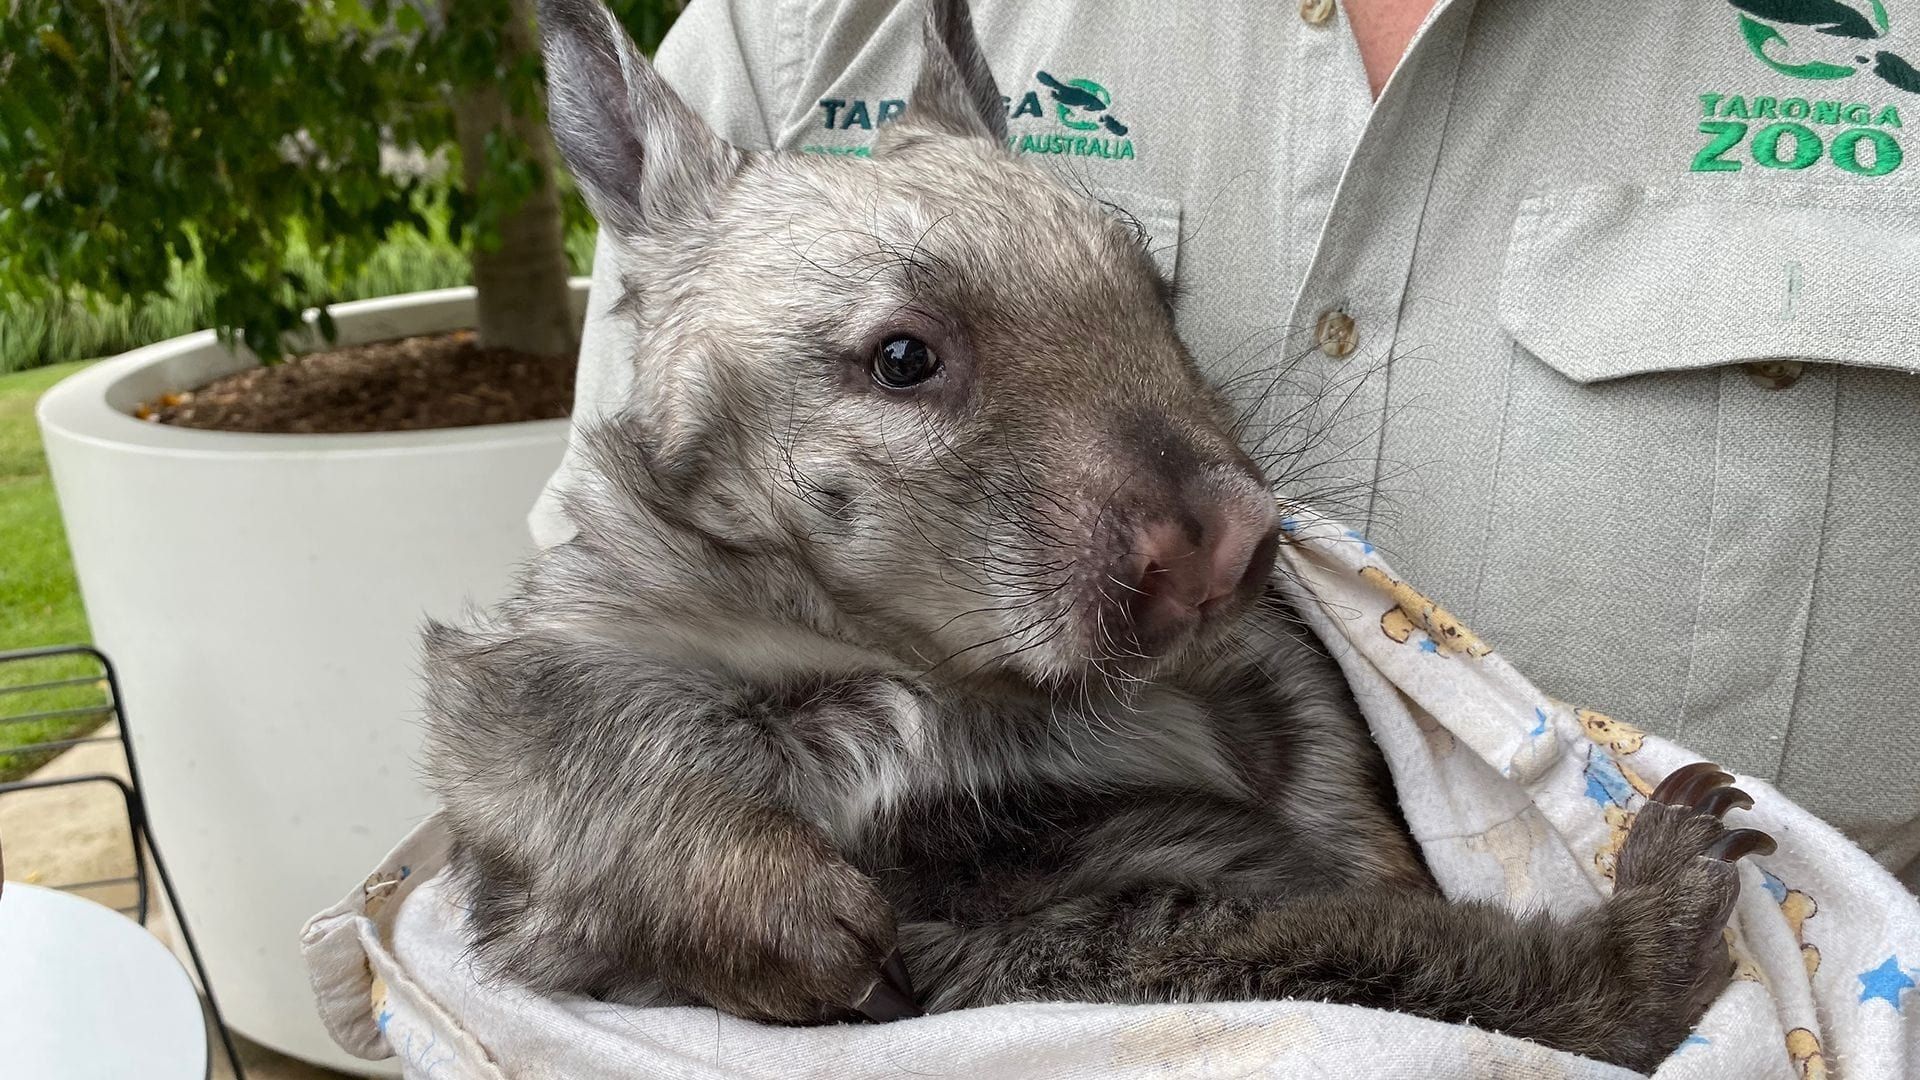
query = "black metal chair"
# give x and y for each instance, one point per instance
(92, 676)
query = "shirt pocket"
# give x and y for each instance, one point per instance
(1606, 280)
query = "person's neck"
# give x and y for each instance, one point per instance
(1383, 29)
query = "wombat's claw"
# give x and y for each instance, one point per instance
(1721, 799)
(1703, 787)
(1687, 784)
(884, 1004)
(1732, 845)
(890, 997)
(895, 972)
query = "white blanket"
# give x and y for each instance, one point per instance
(1511, 794)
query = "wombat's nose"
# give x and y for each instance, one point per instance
(1179, 569)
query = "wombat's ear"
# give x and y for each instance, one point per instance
(955, 91)
(642, 157)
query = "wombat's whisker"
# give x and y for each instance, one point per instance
(988, 643)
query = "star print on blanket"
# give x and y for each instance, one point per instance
(1577, 777)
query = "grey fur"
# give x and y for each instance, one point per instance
(830, 670)
(955, 91)
(643, 159)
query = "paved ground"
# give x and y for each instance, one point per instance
(79, 833)
(263, 1064)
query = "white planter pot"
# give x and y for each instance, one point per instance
(262, 597)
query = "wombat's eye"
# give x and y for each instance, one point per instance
(903, 362)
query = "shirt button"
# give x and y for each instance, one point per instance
(1335, 333)
(1316, 12)
(1773, 374)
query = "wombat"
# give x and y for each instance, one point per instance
(919, 620)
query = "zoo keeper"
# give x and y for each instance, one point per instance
(1600, 320)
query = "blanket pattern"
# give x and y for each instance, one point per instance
(1512, 795)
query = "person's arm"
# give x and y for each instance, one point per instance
(721, 56)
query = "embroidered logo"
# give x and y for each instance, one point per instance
(1824, 39)
(1080, 121)
(1819, 41)
(1077, 96)
(1799, 135)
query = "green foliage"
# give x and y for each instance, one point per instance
(138, 137)
(53, 329)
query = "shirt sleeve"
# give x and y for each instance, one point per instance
(722, 57)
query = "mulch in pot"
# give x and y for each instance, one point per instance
(408, 384)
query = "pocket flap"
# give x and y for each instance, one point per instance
(1605, 280)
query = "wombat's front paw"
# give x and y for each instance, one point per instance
(799, 938)
(1675, 887)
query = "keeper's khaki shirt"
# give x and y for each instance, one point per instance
(1608, 314)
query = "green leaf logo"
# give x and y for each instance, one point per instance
(1826, 16)
(1770, 28)
(1897, 72)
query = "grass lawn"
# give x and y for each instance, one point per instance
(39, 600)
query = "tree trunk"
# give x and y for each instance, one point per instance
(522, 282)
